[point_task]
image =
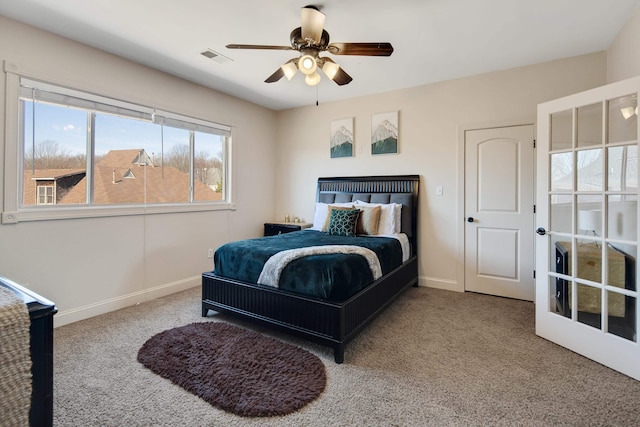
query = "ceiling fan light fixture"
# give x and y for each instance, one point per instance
(312, 24)
(312, 79)
(311, 40)
(628, 112)
(330, 69)
(289, 69)
(307, 64)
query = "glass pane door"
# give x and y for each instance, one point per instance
(593, 260)
(588, 197)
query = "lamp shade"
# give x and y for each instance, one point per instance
(307, 64)
(627, 112)
(312, 79)
(289, 70)
(312, 24)
(590, 220)
(330, 69)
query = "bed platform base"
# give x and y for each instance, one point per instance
(327, 323)
(333, 324)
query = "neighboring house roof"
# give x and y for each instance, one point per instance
(51, 174)
(131, 177)
(34, 177)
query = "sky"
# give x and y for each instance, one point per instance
(68, 127)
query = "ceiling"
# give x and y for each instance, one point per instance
(433, 40)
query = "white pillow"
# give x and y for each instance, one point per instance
(397, 213)
(322, 209)
(390, 216)
(321, 213)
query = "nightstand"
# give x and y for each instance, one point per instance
(273, 228)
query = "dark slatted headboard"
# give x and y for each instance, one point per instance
(402, 189)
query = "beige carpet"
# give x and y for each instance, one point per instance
(433, 358)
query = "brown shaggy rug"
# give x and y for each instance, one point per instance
(235, 369)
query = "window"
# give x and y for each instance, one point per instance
(45, 195)
(82, 150)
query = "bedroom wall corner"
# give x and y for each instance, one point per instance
(623, 56)
(437, 283)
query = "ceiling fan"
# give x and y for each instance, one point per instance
(310, 39)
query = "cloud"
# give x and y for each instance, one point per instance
(68, 127)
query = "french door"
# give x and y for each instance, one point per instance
(586, 252)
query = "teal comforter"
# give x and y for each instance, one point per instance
(333, 277)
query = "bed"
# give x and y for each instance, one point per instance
(327, 319)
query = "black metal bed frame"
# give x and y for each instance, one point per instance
(333, 324)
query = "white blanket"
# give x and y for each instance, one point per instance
(404, 243)
(272, 269)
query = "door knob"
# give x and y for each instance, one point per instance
(541, 231)
(470, 219)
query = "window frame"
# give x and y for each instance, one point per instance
(14, 211)
(42, 193)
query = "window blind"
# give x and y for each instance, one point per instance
(43, 92)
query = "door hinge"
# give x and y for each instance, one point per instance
(534, 208)
(534, 274)
(534, 143)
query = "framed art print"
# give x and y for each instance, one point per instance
(384, 133)
(341, 143)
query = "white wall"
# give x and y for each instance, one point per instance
(431, 118)
(89, 266)
(623, 56)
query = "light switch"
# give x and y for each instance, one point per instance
(439, 190)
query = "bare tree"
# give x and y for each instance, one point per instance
(50, 154)
(204, 165)
(208, 169)
(178, 157)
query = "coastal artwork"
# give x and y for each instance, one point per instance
(341, 144)
(384, 133)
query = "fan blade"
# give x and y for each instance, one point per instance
(342, 78)
(312, 23)
(364, 49)
(288, 70)
(275, 76)
(335, 71)
(258, 46)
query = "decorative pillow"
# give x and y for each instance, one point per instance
(390, 216)
(337, 207)
(343, 222)
(368, 220)
(321, 215)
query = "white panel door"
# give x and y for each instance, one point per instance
(499, 211)
(587, 248)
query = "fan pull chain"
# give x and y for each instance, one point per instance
(316, 96)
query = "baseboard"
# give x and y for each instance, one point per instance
(64, 317)
(433, 282)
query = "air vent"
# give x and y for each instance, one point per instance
(215, 56)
